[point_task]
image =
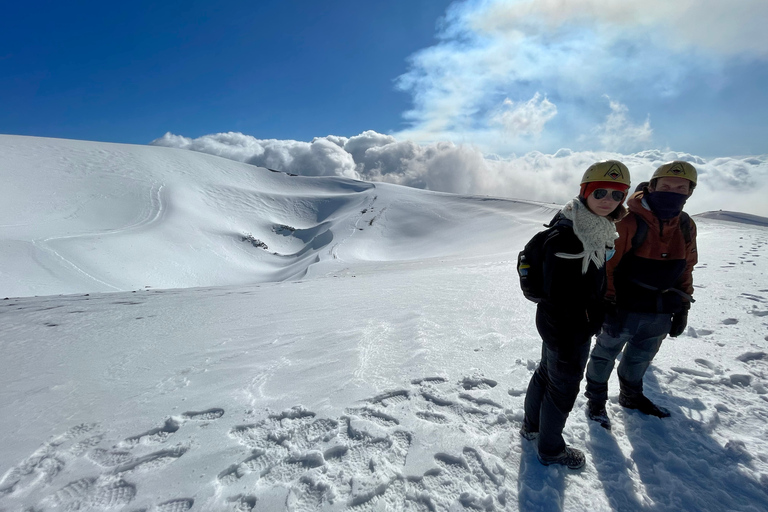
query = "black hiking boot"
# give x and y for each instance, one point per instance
(530, 435)
(570, 457)
(596, 412)
(644, 405)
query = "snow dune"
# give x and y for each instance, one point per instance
(373, 356)
(744, 218)
(83, 216)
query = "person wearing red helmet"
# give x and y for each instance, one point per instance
(571, 307)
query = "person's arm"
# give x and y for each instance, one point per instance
(564, 284)
(680, 319)
(626, 229)
(691, 259)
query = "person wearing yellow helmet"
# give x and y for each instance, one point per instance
(570, 260)
(670, 187)
(650, 288)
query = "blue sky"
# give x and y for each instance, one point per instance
(505, 76)
(130, 71)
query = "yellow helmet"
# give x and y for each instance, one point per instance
(676, 169)
(607, 170)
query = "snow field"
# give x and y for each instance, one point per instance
(388, 372)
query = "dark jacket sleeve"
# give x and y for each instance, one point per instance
(626, 228)
(691, 259)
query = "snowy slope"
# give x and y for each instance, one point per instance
(744, 218)
(84, 216)
(386, 373)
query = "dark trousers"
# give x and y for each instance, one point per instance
(639, 336)
(552, 392)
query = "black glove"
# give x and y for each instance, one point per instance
(613, 320)
(679, 321)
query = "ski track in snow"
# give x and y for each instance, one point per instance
(153, 215)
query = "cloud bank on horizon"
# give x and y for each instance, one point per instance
(618, 75)
(605, 78)
(731, 183)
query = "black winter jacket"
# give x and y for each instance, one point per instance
(572, 309)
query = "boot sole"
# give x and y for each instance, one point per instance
(569, 466)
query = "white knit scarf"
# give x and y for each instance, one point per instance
(595, 233)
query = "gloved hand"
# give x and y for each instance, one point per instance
(679, 321)
(613, 321)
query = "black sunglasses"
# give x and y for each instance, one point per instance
(616, 195)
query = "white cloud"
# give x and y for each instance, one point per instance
(321, 157)
(640, 52)
(529, 118)
(738, 184)
(735, 27)
(619, 133)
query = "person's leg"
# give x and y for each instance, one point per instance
(535, 394)
(565, 369)
(601, 362)
(649, 330)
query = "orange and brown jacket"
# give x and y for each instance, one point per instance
(651, 277)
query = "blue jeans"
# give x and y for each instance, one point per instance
(552, 392)
(639, 335)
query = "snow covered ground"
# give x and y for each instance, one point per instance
(212, 336)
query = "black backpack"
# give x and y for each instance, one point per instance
(530, 260)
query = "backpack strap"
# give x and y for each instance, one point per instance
(640, 233)
(559, 220)
(642, 229)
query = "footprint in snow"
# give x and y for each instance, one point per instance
(108, 489)
(179, 505)
(478, 383)
(358, 459)
(242, 503)
(707, 364)
(291, 448)
(154, 436)
(741, 380)
(752, 356)
(210, 414)
(48, 461)
(695, 333)
(92, 493)
(690, 371)
(160, 435)
(151, 461)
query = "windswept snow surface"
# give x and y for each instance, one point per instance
(373, 357)
(85, 216)
(744, 218)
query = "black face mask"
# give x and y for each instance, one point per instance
(666, 205)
